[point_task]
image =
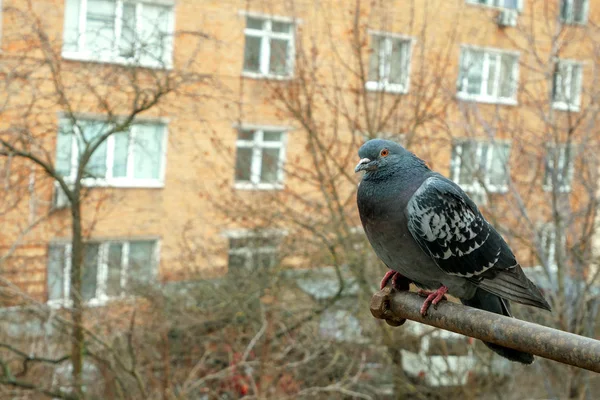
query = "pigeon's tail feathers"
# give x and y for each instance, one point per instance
(512, 284)
(492, 303)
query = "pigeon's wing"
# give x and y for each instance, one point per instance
(448, 226)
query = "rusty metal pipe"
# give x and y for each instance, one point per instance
(397, 306)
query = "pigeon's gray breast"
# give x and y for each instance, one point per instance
(382, 211)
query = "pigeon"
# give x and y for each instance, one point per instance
(428, 231)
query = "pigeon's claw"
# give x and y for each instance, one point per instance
(432, 298)
(399, 282)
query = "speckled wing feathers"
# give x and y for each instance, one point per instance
(453, 232)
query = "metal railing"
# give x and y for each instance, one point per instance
(395, 307)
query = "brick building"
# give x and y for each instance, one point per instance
(500, 95)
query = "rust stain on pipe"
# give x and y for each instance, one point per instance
(395, 307)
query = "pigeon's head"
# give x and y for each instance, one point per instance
(379, 154)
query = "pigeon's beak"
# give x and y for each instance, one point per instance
(365, 164)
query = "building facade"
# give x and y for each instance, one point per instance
(224, 133)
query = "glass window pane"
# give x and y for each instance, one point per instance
(236, 243)
(549, 171)
(557, 89)
(113, 279)
(254, 23)
(263, 260)
(279, 57)
(120, 155)
(399, 62)
(271, 136)
(507, 79)
(64, 146)
(270, 165)
(474, 71)
(579, 10)
(374, 57)
(147, 151)
(90, 271)
(141, 263)
(498, 168)
(56, 272)
(237, 262)
(71, 27)
(564, 9)
(512, 4)
(243, 162)
(100, 25)
(154, 33)
(283, 27)
(127, 39)
(92, 130)
(575, 87)
(468, 163)
(252, 54)
(492, 71)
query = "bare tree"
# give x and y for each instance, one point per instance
(39, 83)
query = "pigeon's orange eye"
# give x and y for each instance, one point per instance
(384, 153)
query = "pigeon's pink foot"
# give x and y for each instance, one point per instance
(399, 282)
(432, 298)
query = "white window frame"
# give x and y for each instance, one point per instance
(257, 144)
(569, 18)
(248, 252)
(571, 66)
(562, 147)
(494, 4)
(476, 188)
(101, 297)
(385, 57)
(83, 54)
(266, 34)
(121, 182)
(462, 94)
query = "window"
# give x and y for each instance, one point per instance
(510, 4)
(269, 48)
(488, 76)
(559, 167)
(259, 159)
(566, 85)
(110, 269)
(126, 159)
(252, 253)
(119, 31)
(480, 167)
(574, 11)
(389, 63)
(548, 245)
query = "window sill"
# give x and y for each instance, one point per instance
(386, 88)
(132, 184)
(573, 23)
(258, 75)
(565, 107)
(487, 100)
(492, 7)
(258, 186)
(562, 190)
(92, 303)
(481, 190)
(85, 57)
